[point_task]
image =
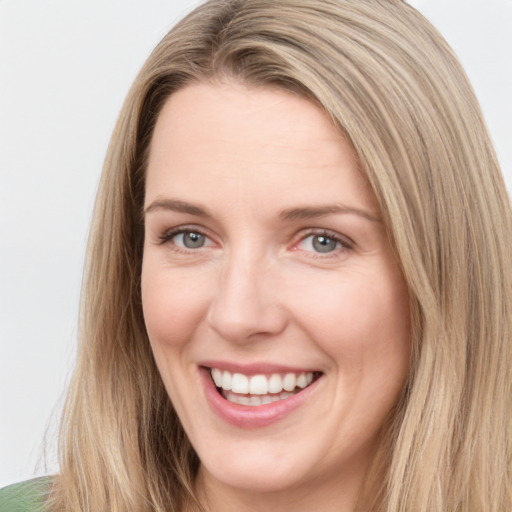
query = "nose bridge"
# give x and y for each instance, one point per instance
(246, 302)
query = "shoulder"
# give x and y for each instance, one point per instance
(26, 496)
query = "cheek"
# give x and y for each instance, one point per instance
(361, 321)
(173, 305)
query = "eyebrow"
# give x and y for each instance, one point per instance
(314, 212)
(176, 206)
(290, 214)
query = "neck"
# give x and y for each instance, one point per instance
(329, 495)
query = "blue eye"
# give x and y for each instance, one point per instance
(186, 239)
(322, 243)
(190, 239)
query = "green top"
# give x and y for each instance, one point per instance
(26, 496)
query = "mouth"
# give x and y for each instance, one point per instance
(260, 389)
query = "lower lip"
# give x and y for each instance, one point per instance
(250, 417)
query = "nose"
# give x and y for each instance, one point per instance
(246, 305)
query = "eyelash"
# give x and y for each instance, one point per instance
(171, 233)
(345, 244)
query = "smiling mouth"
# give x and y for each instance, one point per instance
(260, 389)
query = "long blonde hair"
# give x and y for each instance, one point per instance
(395, 89)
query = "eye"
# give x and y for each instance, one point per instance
(190, 239)
(187, 239)
(323, 243)
(319, 243)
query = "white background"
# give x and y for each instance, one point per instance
(65, 67)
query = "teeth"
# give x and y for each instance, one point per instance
(255, 400)
(239, 383)
(226, 382)
(217, 377)
(262, 389)
(275, 384)
(258, 385)
(243, 400)
(302, 381)
(289, 382)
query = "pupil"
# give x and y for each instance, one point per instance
(324, 244)
(193, 240)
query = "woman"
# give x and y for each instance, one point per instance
(300, 203)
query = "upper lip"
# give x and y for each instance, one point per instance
(255, 368)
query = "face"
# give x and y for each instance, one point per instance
(276, 311)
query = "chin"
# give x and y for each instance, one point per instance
(256, 474)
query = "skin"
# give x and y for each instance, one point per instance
(258, 291)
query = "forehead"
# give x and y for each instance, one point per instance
(245, 141)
